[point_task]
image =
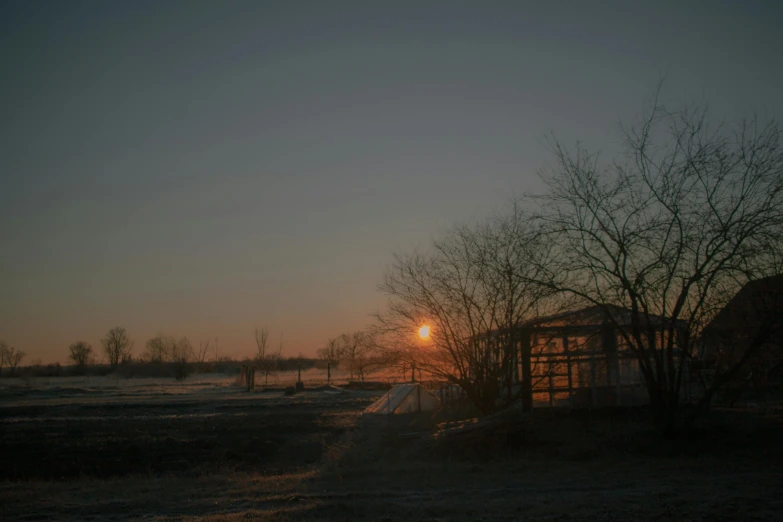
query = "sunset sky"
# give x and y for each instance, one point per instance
(203, 168)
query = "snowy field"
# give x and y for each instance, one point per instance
(203, 387)
(108, 448)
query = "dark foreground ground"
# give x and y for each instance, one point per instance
(233, 456)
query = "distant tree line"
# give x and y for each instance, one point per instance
(359, 353)
(163, 355)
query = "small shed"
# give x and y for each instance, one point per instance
(404, 398)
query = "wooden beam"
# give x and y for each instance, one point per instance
(568, 363)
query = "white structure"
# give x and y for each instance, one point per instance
(404, 398)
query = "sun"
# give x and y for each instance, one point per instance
(424, 332)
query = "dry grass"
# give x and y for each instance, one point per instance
(603, 467)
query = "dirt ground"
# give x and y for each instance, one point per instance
(207, 451)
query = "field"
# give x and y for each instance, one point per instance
(103, 449)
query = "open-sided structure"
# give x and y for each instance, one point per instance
(578, 358)
(404, 398)
(581, 359)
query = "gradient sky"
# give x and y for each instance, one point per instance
(201, 168)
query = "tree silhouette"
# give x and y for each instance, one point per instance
(672, 228)
(80, 353)
(117, 346)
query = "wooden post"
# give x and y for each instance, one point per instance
(512, 361)
(612, 355)
(594, 390)
(551, 389)
(328, 373)
(413, 372)
(299, 384)
(619, 387)
(568, 364)
(527, 377)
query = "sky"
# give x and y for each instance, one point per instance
(202, 168)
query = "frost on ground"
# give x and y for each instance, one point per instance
(207, 451)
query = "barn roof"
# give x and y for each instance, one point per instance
(758, 302)
(593, 316)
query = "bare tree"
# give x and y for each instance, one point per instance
(203, 351)
(13, 357)
(473, 290)
(180, 355)
(262, 341)
(669, 231)
(3, 355)
(266, 360)
(117, 346)
(181, 350)
(80, 353)
(330, 354)
(360, 352)
(159, 348)
(349, 350)
(10, 356)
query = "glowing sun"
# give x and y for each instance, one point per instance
(424, 332)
